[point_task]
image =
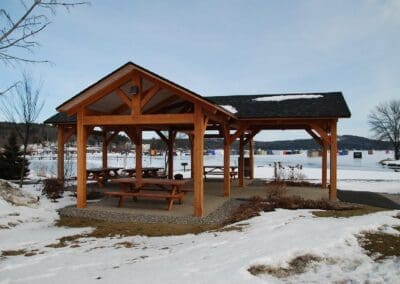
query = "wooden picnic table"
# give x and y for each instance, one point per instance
(102, 174)
(147, 172)
(219, 170)
(168, 189)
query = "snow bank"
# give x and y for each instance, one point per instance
(12, 194)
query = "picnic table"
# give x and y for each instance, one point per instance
(219, 170)
(102, 174)
(152, 188)
(146, 171)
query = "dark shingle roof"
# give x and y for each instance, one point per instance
(61, 118)
(319, 106)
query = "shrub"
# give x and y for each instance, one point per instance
(53, 189)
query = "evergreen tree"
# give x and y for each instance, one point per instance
(11, 160)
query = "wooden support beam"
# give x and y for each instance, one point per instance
(191, 138)
(145, 119)
(149, 94)
(198, 147)
(333, 162)
(104, 154)
(123, 97)
(241, 161)
(322, 133)
(136, 98)
(171, 141)
(60, 153)
(100, 91)
(251, 158)
(227, 161)
(324, 163)
(238, 133)
(138, 155)
(162, 104)
(81, 162)
(315, 136)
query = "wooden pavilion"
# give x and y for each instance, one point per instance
(133, 99)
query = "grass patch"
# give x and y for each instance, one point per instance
(352, 212)
(297, 265)
(254, 205)
(103, 229)
(380, 245)
(13, 252)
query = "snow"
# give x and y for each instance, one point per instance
(279, 98)
(273, 238)
(229, 108)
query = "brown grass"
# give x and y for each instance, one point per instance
(380, 245)
(104, 229)
(297, 265)
(346, 213)
(13, 252)
(255, 205)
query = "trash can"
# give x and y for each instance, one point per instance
(246, 166)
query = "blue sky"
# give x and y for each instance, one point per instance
(227, 48)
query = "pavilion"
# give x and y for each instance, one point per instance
(133, 99)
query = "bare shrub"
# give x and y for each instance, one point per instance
(53, 189)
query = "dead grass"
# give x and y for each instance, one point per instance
(359, 210)
(255, 205)
(124, 245)
(380, 245)
(297, 265)
(103, 229)
(13, 252)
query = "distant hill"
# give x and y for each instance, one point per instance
(41, 133)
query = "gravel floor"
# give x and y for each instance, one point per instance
(216, 217)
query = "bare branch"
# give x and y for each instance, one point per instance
(19, 34)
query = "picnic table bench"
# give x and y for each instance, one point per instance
(102, 174)
(147, 172)
(219, 170)
(152, 188)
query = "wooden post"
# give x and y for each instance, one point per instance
(198, 147)
(227, 162)
(138, 154)
(60, 154)
(251, 158)
(81, 163)
(104, 150)
(241, 161)
(324, 162)
(171, 140)
(333, 162)
(191, 155)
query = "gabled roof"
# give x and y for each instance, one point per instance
(122, 72)
(267, 106)
(305, 105)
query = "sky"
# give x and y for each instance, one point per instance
(226, 48)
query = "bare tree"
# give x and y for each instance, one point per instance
(23, 106)
(384, 121)
(17, 35)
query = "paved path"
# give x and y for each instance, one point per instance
(384, 200)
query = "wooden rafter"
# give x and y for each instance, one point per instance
(322, 133)
(315, 136)
(162, 104)
(123, 97)
(238, 133)
(148, 95)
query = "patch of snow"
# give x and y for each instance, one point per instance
(279, 98)
(11, 193)
(229, 108)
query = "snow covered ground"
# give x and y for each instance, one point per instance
(213, 257)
